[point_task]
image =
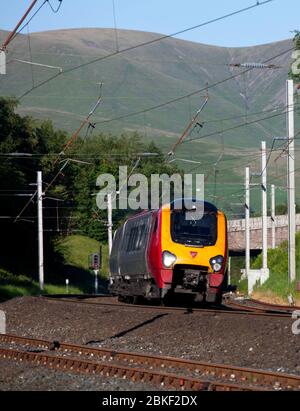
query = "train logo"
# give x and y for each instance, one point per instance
(160, 253)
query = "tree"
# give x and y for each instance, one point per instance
(296, 63)
(282, 209)
(27, 146)
(109, 153)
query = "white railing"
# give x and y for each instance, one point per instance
(256, 223)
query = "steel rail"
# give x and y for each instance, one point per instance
(274, 311)
(249, 377)
(117, 371)
(108, 370)
(228, 309)
(275, 306)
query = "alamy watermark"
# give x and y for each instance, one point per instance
(296, 323)
(137, 192)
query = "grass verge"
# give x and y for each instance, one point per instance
(277, 287)
(72, 262)
(17, 286)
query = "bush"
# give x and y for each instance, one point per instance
(278, 265)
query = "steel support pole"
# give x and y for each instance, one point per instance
(291, 182)
(264, 206)
(273, 216)
(13, 33)
(40, 229)
(2, 62)
(247, 221)
(110, 223)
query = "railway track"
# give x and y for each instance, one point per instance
(256, 310)
(258, 307)
(164, 371)
(279, 307)
(229, 308)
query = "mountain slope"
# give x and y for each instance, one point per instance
(149, 76)
(143, 77)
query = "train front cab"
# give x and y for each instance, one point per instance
(194, 253)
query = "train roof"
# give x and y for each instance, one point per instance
(208, 207)
(142, 213)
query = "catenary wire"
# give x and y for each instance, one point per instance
(145, 44)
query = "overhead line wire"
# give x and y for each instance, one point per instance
(66, 147)
(177, 99)
(13, 33)
(58, 7)
(33, 16)
(258, 3)
(235, 127)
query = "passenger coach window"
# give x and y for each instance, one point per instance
(132, 239)
(136, 238)
(142, 233)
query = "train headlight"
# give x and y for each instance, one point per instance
(217, 263)
(168, 259)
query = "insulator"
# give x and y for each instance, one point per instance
(254, 65)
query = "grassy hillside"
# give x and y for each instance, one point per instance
(142, 78)
(73, 252)
(151, 75)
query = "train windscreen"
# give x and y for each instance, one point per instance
(194, 232)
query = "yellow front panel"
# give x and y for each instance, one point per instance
(183, 253)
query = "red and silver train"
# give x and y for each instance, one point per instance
(157, 254)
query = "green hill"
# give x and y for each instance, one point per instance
(76, 249)
(149, 76)
(142, 78)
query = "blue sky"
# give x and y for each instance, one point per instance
(270, 22)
